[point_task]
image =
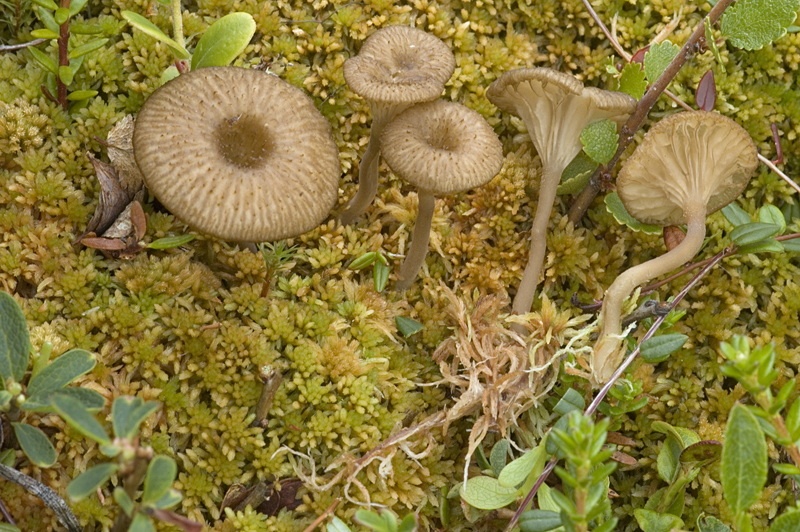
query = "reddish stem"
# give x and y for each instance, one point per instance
(777, 140)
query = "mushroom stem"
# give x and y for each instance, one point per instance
(368, 169)
(607, 352)
(530, 277)
(415, 257)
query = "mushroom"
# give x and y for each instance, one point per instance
(441, 148)
(397, 66)
(238, 154)
(688, 166)
(555, 107)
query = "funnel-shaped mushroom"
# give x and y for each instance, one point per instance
(688, 166)
(555, 107)
(238, 154)
(397, 66)
(441, 148)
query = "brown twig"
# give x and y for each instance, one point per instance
(6, 515)
(322, 516)
(642, 109)
(776, 138)
(49, 497)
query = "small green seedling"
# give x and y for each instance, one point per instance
(380, 267)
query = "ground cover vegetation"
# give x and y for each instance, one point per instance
(157, 378)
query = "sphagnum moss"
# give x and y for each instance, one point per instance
(191, 326)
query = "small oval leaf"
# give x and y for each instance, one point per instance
(770, 214)
(616, 208)
(407, 326)
(706, 95)
(736, 215)
(87, 482)
(224, 40)
(744, 459)
(659, 349)
(145, 26)
(62, 371)
(79, 418)
(15, 344)
(160, 475)
(753, 232)
(35, 445)
(171, 242)
(539, 521)
(485, 493)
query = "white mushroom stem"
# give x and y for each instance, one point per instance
(382, 114)
(607, 351)
(415, 257)
(530, 277)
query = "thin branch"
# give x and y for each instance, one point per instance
(49, 497)
(12, 47)
(649, 99)
(769, 164)
(322, 516)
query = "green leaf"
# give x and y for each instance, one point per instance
(8, 457)
(407, 326)
(43, 402)
(380, 276)
(44, 33)
(62, 371)
(770, 214)
(786, 469)
(5, 527)
(486, 493)
(577, 174)
(81, 95)
(5, 397)
(498, 456)
(753, 232)
(141, 523)
(145, 26)
(75, 6)
(224, 40)
(659, 348)
(735, 215)
(66, 74)
(616, 208)
(768, 245)
(47, 4)
(752, 24)
(408, 524)
(702, 451)
(793, 420)
(651, 521)
(79, 418)
(793, 245)
(170, 242)
(364, 260)
(87, 482)
(515, 473)
(658, 58)
(61, 15)
(127, 413)
(124, 500)
(539, 521)
(337, 525)
(47, 19)
(572, 400)
(632, 80)
(709, 523)
(86, 48)
(15, 343)
(788, 522)
(744, 460)
(170, 499)
(161, 472)
(372, 521)
(80, 28)
(600, 140)
(35, 445)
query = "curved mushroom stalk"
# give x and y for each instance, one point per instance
(368, 169)
(609, 349)
(415, 257)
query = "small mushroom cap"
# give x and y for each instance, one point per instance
(694, 156)
(442, 147)
(556, 107)
(238, 154)
(400, 64)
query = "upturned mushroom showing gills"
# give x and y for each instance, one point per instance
(238, 154)
(555, 107)
(397, 66)
(441, 148)
(688, 166)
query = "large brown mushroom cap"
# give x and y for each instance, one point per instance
(442, 147)
(238, 154)
(686, 157)
(400, 64)
(556, 107)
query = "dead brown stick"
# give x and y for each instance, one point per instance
(603, 173)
